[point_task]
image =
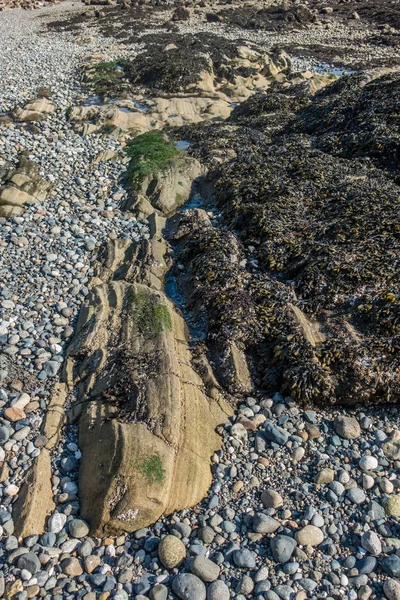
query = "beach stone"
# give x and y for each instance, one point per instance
(218, 590)
(391, 565)
(282, 547)
(392, 506)
(245, 585)
(206, 534)
(14, 414)
(371, 543)
(391, 449)
(368, 463)
(158, 592)
(271, 499)
(391, 589)
(356, 495)
(78, 528)
(91, 563)
(347, 427)
(72, 567)
(309, 536)
(327, 475)
(56, 522)
(244, 558)
(265, 524)
(4, 434)
(188, 587)
(275, 434)
(205, 569)
(29, 562)
(51, 368)
(171, 551)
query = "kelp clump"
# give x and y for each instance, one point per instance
(321, 239)
(355, 117)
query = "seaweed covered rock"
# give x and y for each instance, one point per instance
(278, 16)
(321, 239)
(159, 175)
(183, 63)
(358, 116)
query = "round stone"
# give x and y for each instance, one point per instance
(72, 567)
(391, 565)
(392, 506)
(171, 551)
(56, 522)
(325, 476)
(368, 463)
(188, 587)
(218, 590)
(29, 562)
(159, 592)
(391, 589)
(356, 495)
(78, 528)
(347, 427)
(205, 569)
(371, 543)
(271, 499)
(309, 536)
(282, 547)
(4, 434)
(244, 558)
(264, 523)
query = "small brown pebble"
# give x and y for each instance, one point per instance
(247, 423)
(14, 414)
(313, 431)
(237, 486)
(32, 591)
(303, 435)
(17, 385)
(263, 461)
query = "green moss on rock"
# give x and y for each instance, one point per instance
(152, 469)
(148, 317)
(150, 153)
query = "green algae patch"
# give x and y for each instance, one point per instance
(152, 469)
(148, 318)
(150, 153)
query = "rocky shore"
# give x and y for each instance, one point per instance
(199, 301)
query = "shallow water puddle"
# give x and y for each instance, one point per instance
(182, 145)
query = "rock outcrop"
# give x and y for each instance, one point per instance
(35, 110)
(147, 428)
(147, 419)
(22, 184)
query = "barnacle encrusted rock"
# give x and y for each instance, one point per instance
(147, 428)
